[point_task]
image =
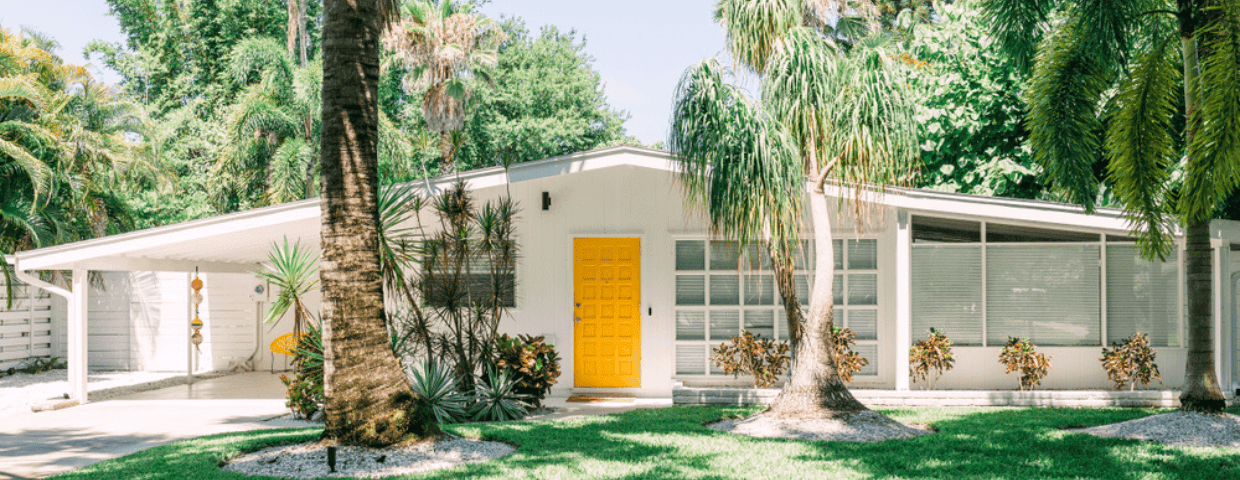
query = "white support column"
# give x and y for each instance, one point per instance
(1220, 277)
(77, 336)
(904, 303)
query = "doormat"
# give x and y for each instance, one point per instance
(596, 399)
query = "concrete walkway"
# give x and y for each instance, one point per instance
(37, 445)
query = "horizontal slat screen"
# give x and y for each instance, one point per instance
(1141, 297)
(690, 325)
(1048, 294)
(760, 322)
(947, 292)
(725, 324)
(870, 353)
(690, 359)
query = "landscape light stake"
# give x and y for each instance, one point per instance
(331, 459)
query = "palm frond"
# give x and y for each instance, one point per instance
(754, 26)
(739, 166)
(1216, 141)
(1064, 96)
(1019, 26)
(1141, 147)
(288, 179)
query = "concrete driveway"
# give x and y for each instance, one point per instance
(37, 445)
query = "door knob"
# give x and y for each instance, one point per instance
(578, 319)
(578, 304)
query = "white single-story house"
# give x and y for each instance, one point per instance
(625, 279)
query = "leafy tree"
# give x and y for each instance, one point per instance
(1143, 60)
(369, 400)
(547, 101)
(829, 111)
(65, 151)
(442, 44)
(974, 139)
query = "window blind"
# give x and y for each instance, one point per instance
(1048, 294)
(1141, 297)
(947, 292)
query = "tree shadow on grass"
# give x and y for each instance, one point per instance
(1020, 443)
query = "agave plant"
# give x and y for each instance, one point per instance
(495, 397)
(440, 398)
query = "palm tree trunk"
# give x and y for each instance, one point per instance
(368, 398)
(1201, 390)
(815, 389)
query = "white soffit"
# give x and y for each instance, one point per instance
(236, 242)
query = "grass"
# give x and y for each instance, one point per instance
(989, 443)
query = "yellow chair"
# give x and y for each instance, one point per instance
(285, 345)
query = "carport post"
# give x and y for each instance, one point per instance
(77, 336)
(904, 290)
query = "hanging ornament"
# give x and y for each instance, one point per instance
(197, 323)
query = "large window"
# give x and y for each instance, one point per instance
(720, 293)
(1043, 284)
(472, 283)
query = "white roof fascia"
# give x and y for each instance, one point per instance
(1021, 210)
(131, 245)
(551, 167)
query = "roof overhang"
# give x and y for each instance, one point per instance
(239, 242)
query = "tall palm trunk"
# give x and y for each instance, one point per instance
(369, 401)
(1201, 390)
(815, 389)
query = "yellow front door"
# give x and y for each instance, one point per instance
(607, 327)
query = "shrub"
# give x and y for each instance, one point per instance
(1019, 354)
(439, 397)
(847, 362)
(929, 358)
(1130, 362)
(495, 398)
(535, 365)
(305, 389)
(753, 355)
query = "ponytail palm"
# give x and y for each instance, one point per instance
(1156, 65)
(826, 112)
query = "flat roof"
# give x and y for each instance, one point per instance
(237, 242)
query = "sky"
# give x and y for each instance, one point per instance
(640, 47)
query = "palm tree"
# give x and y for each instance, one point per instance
(369, 401)
(66, 154)
(827, 111)
(1123, 55)
(443, 43)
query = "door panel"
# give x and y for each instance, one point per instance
(607, 312)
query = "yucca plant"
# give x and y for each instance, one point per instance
(496, 399)
(294, 270)
(1020, 354)
(1130, 362)
(929, 358)
(438, 390)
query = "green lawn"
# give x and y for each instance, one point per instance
(1007, 443)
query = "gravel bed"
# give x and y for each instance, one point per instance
(19, 392)
(309, 460)
(1177, 428)
(867, 426)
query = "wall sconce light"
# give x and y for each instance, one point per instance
(546, 201)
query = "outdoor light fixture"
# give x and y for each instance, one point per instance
(546, 201)
(331, 459)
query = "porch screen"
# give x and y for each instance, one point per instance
(1141, 297)
(1050, 294)
(947, 292)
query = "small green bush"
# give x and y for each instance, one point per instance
(533, 362)
(1021, 354)
(1130, 362)
(751, 354)
(305, 389)
(929, 358)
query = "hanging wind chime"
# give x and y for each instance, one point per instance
(196, 324)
